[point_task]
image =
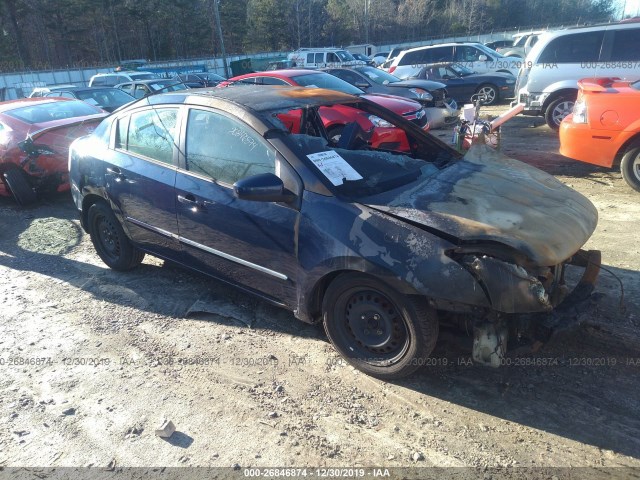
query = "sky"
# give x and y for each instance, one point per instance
(632, 6)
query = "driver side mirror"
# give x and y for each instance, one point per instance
(265, 187)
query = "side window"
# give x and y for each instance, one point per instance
(272, 81)
(625, 45)
(441, 54)
(348, 76)
(121, 133)
(332, 58)
(310, 58)
(140, 91)
(573, 48)
(225, 149)
(151, 133)
(319, 58)
(413, 58)
(467, 54)
(98, 81)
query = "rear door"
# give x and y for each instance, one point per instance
(141, 176)
(249, 243)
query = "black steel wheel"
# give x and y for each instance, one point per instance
(379, 331)
(19, 186)
(630, 167)
(110, 241)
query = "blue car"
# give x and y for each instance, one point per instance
(381, 246)
(463, 82)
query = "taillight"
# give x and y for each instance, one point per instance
(392, 69)
(580, 110)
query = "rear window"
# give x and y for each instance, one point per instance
(51, 111)
(573, 48)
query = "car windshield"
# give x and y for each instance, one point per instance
(345, 56)
(361, 173)
(521, 41)
(460, 69)
(167, 86)
(324, 80)
(378, 76)
(51, 111)
(143, 76)
(105, 97)
(488, 51)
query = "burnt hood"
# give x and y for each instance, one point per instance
(428, 85)
(489, 197)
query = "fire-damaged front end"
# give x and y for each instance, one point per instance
(514, 229)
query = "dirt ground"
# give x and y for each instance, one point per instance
(93, 360)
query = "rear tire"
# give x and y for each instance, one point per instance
(17, 182)
(111, 243)
(379, 331)
(557, 110)
(630, 167)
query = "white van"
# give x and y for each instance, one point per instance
(548, 82)
(322, 58)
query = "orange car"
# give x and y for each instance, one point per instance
(604, 128)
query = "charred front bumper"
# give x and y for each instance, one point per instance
(511, 288)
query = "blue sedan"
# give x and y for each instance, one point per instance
(380, 246)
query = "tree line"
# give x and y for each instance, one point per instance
(48, 34)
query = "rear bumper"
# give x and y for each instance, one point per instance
(580, 142)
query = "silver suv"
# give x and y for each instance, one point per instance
(113, 79)
(474, 56)
(548, 81)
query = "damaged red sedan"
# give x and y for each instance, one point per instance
(380, 246)
(35, 135)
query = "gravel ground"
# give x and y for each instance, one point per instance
(93, 360)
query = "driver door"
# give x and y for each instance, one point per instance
(250, 243)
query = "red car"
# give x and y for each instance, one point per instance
(383, 135)
(35, 134)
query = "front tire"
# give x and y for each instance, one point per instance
(490, 93)
(379, 331)
(111, 243)
(630, 167)
(557, 110)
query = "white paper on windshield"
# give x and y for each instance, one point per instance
(334, 167)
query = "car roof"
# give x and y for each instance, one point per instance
(83, 89)
(25, 102)
(261, 99)
(284, 73)
(449, 44)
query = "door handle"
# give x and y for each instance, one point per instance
(115, 171)
(190, 200)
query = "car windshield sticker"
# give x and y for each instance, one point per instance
(334, 167)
